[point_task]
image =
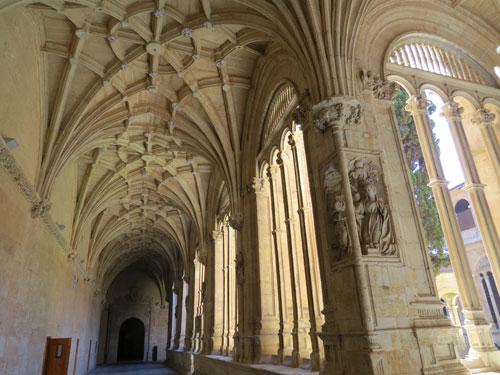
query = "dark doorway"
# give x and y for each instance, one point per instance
(131, 340)
(155, 353)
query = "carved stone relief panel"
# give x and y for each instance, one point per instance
(373, 216)
(374, 225)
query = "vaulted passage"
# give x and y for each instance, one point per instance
(240, 186)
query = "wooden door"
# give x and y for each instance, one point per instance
(57, 359)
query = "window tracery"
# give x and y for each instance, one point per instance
(433, 56)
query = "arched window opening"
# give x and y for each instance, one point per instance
(433, 55)
(283, 101)
(464, 215)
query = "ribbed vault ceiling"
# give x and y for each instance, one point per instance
(149, 99)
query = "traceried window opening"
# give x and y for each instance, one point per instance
(436, 59)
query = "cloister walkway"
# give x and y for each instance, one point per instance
(134, 369)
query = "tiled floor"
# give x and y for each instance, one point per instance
(134, 369)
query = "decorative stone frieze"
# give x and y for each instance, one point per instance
(337, 112)
(39, 207)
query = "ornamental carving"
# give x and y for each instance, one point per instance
(338, 113)
(374, 228)
(40, 209)
(452, 110)
(301, 112)
(236, 221)
(373, 219)
(256, 186)
(483, 116)
(381, 89)
(417, 103)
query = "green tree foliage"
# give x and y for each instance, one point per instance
(423, 193)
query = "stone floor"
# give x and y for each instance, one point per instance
(134, 369)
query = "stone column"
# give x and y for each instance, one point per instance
(484, 119)
(268, 333)
(478, 329)
(285, 347)
(382, 313)
(174, 315)
(309, 266)
(183, 320)
(473, 185)
(190, 308)
(178, 285)
(218, 302)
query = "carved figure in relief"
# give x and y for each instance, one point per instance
(372, 214)
(340, 232)
(376, 231)
(359, 210)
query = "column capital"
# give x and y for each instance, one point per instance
(417, 104)
(483, 116)
(272, 171)
(216, 235)
(381, 89)
(338, 112)
(301, 113)
(236, 221)
(474, 187)
(438, 182)
(452, 111)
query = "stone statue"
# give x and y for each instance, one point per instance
(359, 210)
(372, 214)
(336, 205)
(376, 228)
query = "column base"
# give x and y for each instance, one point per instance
(483, 353)
(424, 350)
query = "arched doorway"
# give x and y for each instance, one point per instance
(131, 340)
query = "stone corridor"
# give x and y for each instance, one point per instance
(133, 369)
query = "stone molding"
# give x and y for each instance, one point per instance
(39, 207)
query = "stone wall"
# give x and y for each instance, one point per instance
(38, 297)
(41, 293)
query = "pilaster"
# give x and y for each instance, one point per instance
(373, 312)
